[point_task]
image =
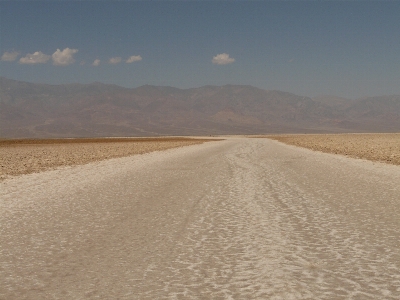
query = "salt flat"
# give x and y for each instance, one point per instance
(382, 147)
(26, 156)
(240, 219)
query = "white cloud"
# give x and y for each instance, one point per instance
(222, 59)
(96, 62)
(133, 58)
(9, 56)
(115, 60)
(64, 58)
(36, 58)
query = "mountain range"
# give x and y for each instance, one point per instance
(31, 110)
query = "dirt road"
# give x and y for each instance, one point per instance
(234, 219)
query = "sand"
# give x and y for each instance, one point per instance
(384, 147)
(31, 156)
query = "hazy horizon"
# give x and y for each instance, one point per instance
(339, 48)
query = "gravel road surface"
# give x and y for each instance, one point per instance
(234, 219)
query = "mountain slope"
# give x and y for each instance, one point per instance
(40, 110)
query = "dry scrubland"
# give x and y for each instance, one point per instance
(29, 156)
(384, 147)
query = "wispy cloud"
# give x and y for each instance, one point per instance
(115, 60)
(222, 59)
(96, 62)
(64, 58)
(36, 58)
(9, 56)
(133, 58)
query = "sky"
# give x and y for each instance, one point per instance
(345, 48)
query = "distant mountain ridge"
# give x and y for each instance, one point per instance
(97, 109)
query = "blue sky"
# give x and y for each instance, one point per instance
(344, 48)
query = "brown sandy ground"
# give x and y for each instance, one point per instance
(383, 147)
(26, 156)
